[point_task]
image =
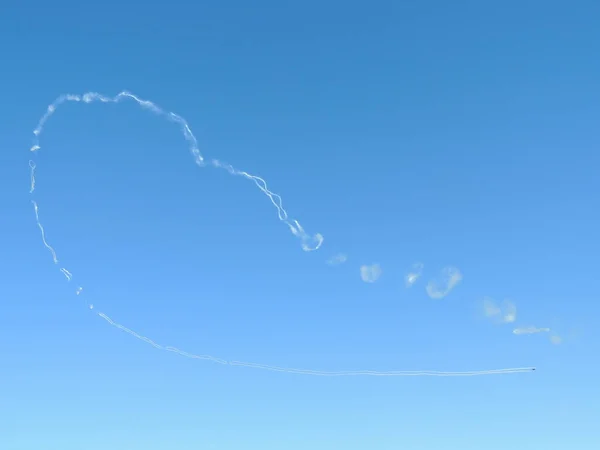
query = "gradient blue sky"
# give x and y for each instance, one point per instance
(450, 133)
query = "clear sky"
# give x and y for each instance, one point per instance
(451, 134)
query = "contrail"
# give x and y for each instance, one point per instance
(43, 232)
(322, 373)
(336, 260)
(414, 274)
(67, 274)
(441, 287)
(32, 172)
(530, 330)
(308, 242)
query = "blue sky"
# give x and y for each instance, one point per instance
(457, 135)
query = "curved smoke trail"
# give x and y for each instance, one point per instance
(308, 242)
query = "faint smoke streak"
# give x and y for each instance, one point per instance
(415, 273)
(370, 274)
(442, 286)
(504, 313)
(530, 330)
(338, 259)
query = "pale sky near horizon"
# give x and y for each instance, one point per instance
(447, 154)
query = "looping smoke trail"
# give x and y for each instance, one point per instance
(39, 224)
(297, 230)
(392, 373)
(32, 172)
(158, 346)
(67, 274)
(530, 330)
(441, 287)
(415, 273)
(337, 259)
(309, 243)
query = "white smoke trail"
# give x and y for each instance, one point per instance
(556, 340)
(441, 287)
(66, 273)
(309, 243)
(392, 373)
(370, 273)
(40, 226)
(506, 312)
(32, 172)
(415, 273)
(530, 330)
(337, 259)
(158, 346)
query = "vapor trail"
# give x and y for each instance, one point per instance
(392, 373)
(439, 288)
(32, 175)
(308, 242)
(67, 274)
(41, 227)
(415, 273)
(530, 330)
